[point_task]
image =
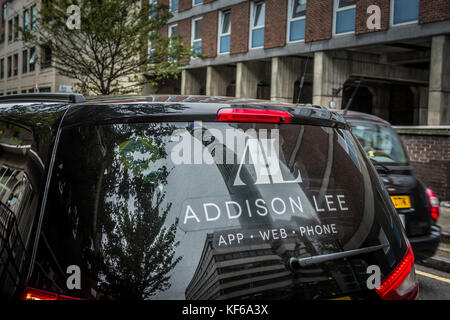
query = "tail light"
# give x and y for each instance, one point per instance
(253, 115)
(37, 294)
(401, 283)
(433, 201)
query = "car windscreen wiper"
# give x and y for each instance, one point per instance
(297, 263)
(386, 169)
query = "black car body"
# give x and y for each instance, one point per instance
(420, 211)
(193, 197)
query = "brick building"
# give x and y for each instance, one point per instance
(395, 49)
(319, 51)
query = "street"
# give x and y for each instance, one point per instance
(433, 284)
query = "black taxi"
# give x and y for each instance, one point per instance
(417, 205)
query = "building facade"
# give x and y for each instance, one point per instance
(394, 53)
(25, 69)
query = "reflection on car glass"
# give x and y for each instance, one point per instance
(158, 222)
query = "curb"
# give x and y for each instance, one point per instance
(438, 263)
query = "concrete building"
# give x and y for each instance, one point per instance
(259, 270)
(394, 51)
(25, 69)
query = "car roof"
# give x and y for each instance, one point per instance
(189, 107)
(112, 109)
(360, 116)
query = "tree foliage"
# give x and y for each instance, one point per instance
(109, 53)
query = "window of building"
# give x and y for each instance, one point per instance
(4, 12)
(296, 20)
(45, 89)
(404, 11)
(26, 19)
(344, 16)
(173, 32)
(196, 36)
(32, 62)
(2, 68)
(9, 66)
(196, 2)
(224, 31)
(10, 30)
(16, 64)
(25, 61)
(33, 11)
(257, 20)
(152, 4)
(150, 50)
(24, 91)
(16, 28)
(46, 56)
(173, 5)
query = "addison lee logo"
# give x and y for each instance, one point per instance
(258, 149)
(264, 156)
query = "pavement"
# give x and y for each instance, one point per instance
(441, 260)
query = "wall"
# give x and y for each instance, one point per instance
(429, 152)
(434, 11)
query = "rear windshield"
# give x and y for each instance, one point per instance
(380, 142)
(210, 210)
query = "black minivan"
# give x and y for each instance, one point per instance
(193, 197)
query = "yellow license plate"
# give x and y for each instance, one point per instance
(342, 298)
(401, 202)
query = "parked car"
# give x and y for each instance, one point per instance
(417, 205)
(193, 197)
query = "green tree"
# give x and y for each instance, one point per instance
(109, 53)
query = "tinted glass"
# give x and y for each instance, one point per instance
(211, 210)
(380, 143)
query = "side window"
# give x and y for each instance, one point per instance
(20, 174)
